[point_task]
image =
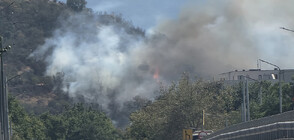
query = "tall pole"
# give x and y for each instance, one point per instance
(280, 91)
(203, 119)
(248, 106)
(6, 117)
(244, 101)
(3, 97)
(280, 86)
(1, 93)
(260, 94)
(242, 112)
(7, 124)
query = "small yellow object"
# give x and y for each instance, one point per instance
(203, 118)
(187, 134)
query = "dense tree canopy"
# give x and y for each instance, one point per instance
(24, 126)
(180, 106)
(75, 123)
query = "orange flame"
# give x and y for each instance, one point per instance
(156, 74)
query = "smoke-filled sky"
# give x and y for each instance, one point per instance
(107, 64)
(143, 13)
(264, 18)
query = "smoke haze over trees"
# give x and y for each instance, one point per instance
(106, 60)
(100, 58)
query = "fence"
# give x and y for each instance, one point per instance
(274, 127)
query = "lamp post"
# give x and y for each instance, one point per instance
(280, 86)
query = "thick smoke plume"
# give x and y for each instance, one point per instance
(107, 64)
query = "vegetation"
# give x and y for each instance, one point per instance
(75, 123)
(24, 126)
(270, 99)
(39, 109)
(180, 105)
(25, 25)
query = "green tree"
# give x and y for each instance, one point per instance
(79, 122)
(55, 126)
(270, 99)
(180, 106)
(24, 126)
(82, 123)
(76, 5)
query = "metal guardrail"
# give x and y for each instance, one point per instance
(272, 127)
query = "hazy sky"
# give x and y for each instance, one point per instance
(143, 13)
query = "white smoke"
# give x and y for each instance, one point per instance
(95, 60)
(105, 63)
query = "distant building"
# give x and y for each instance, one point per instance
(257, 74)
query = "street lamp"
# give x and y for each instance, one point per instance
(280, 87)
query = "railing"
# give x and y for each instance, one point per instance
(273, 127)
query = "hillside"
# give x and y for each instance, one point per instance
(25, 25)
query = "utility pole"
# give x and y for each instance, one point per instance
(242, 112)
(3, 97)
(4, 133)
(2, 94)
(6, 119)
(248, 106)
(8, 125)
(244, 99)
(280, 91)
(260, 93)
